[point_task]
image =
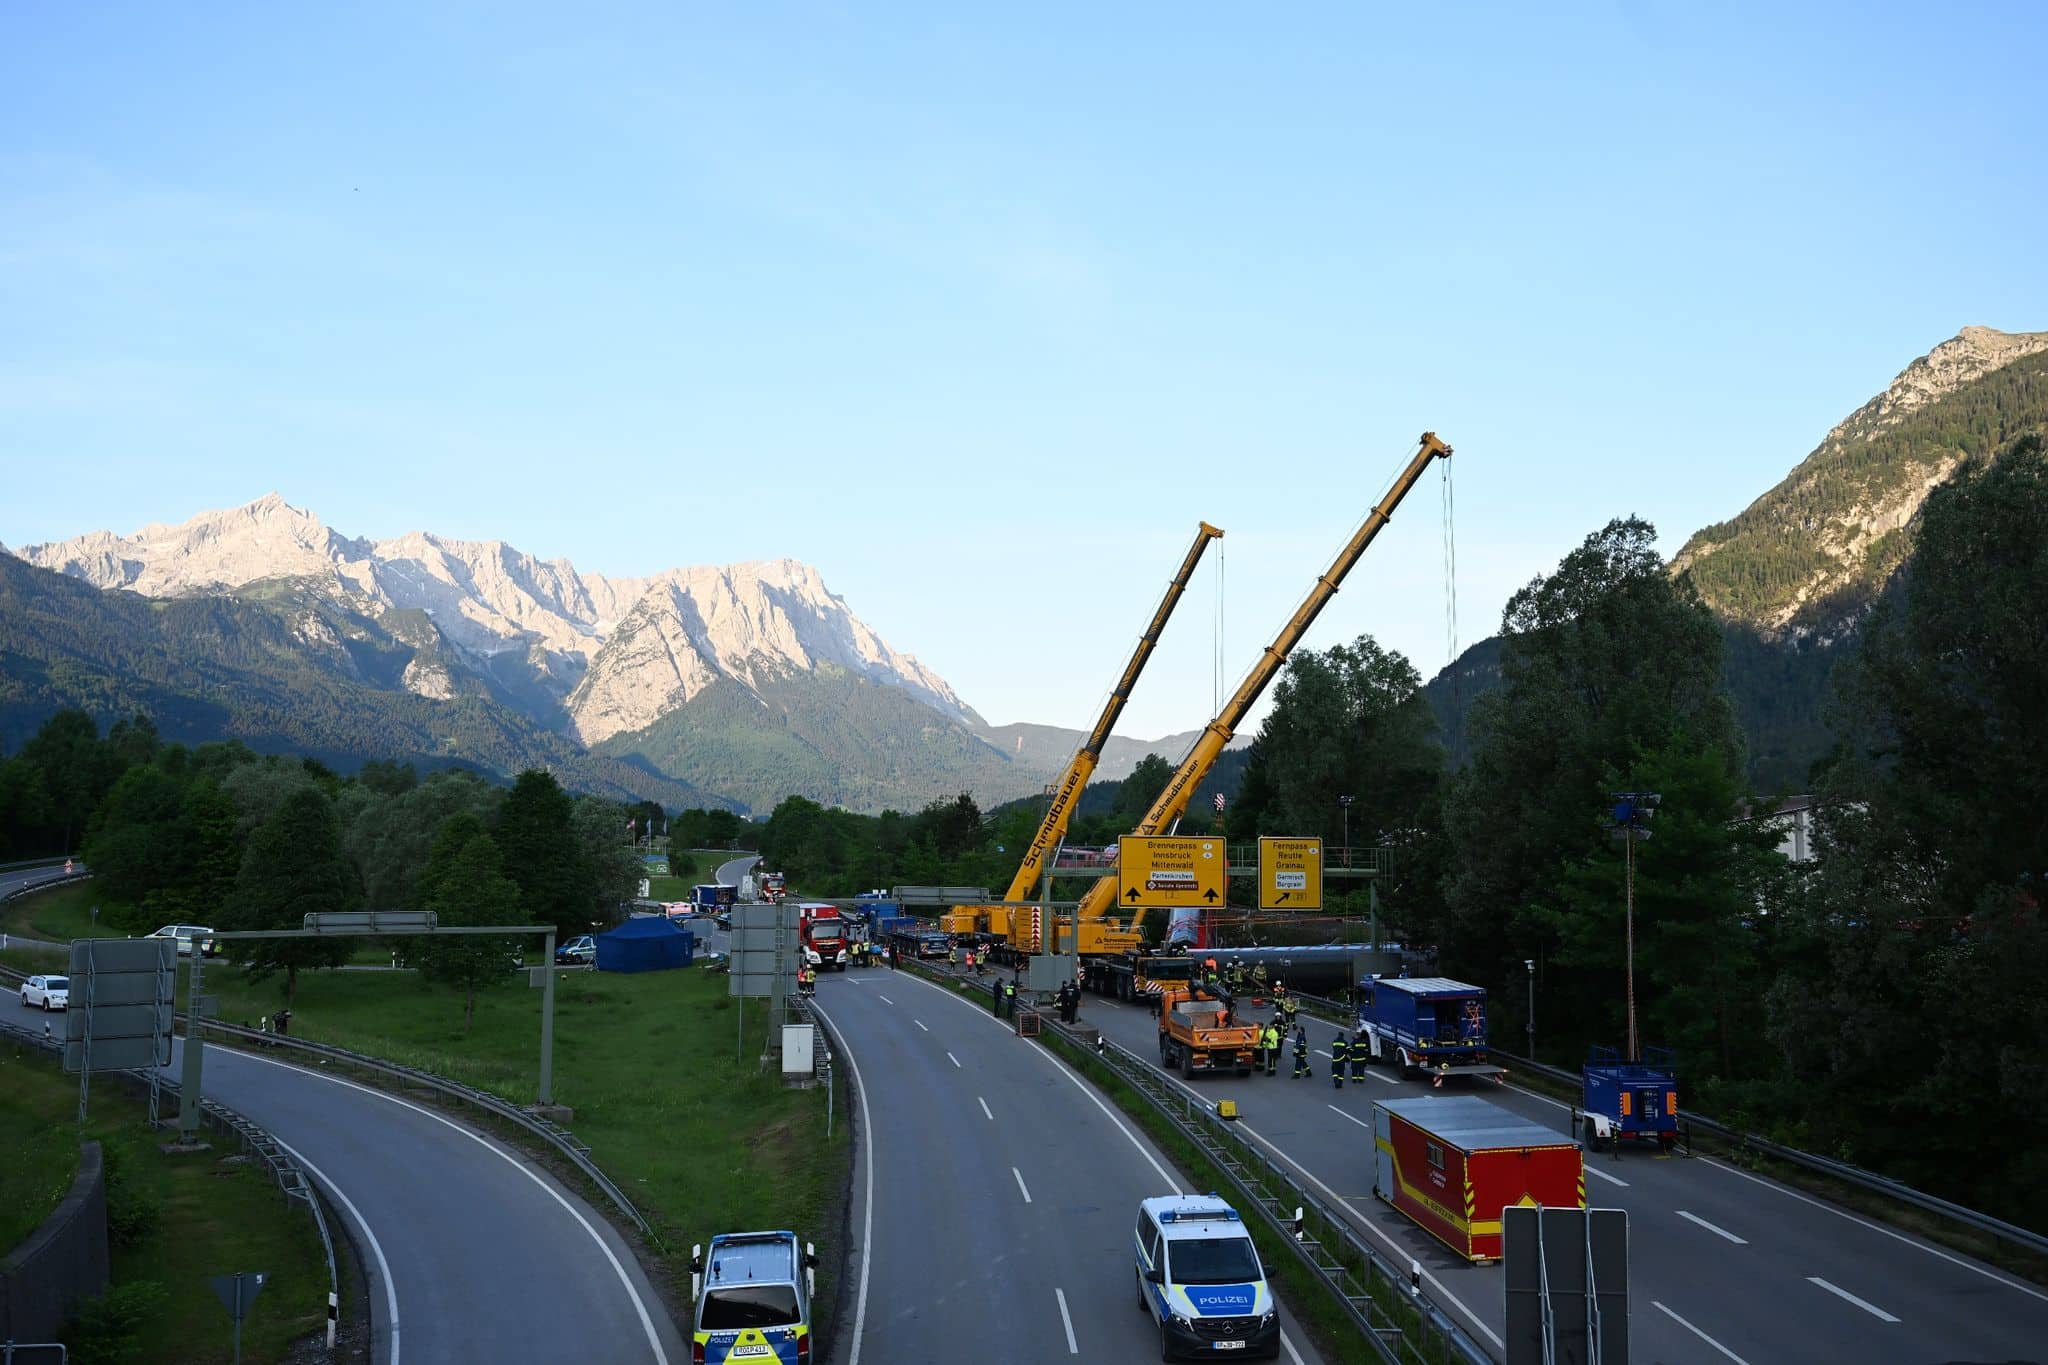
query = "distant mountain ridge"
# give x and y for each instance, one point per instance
(739, 683)
(1793, 574)
(1810, 554)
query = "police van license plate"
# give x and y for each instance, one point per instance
(1229, 1345)
(757, 1351)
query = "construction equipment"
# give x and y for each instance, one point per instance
(1091, 934)
(1044, 844)
(1197, 1033)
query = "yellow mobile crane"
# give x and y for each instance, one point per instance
(1097, 937)
(1053, 828)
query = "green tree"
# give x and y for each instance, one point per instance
(74, 770)
(26, 826)
(537, 840)
(390, 836)
(465, 885)
(1604, 663)
(387, 777)
(292, 867)
(1352, 722)
(1142, 788)
(135, 834)
(612, 871)
(1910, 987)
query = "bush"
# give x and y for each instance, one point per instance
(132, 1213)
(108, 1330)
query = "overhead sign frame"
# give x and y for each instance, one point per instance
(1290, 873)
(1171, 872)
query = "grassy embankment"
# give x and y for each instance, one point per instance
(173, 1221)
(701, 1138)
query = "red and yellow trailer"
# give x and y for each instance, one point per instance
(1453, 1162)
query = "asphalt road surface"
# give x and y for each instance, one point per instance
(473, 1253)
(1725, 1266)
(729, 874)
(994, 1191)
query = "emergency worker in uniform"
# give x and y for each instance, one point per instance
(1301, 1054)
(1340, 1057)
(1271, 1038)
(1359, 1056)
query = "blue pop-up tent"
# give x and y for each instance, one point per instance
(645, 943)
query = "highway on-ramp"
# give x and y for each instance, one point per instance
(1724, 1265)
(995, 1192)
(473, 1253)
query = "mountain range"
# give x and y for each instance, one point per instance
(1793, 575)
(739, 684)
(732, 685)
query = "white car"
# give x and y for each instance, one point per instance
(49, 992)
(187, 935)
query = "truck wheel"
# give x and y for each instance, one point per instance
(1165, 1053)
(1187, 1064)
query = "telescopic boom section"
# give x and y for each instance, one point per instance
(1173, 801)
(1053, 828)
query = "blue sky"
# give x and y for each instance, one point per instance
(980, 313)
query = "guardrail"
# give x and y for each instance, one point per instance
(1870, 1181)
(290, 1179)
(561, 1139)
(1357, 1278)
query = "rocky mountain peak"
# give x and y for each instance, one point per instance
(1807, 557)
(1963, 359)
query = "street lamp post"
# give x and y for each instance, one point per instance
(1530, 963)
(1345, 803)
(1630, 824)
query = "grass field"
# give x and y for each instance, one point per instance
(174, 1220)
(59, 915)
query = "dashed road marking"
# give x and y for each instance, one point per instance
(1020, 1184)
(1067, 1322)
(984, 1108)
(1842, 1293)
(1698, 1333)
(1718, 1232)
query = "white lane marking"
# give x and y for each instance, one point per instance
(376, 1247)
(1291, 1352)
(883, 998)
(951, 1058)
(867, 1218)
(920, 1024)
(1718, 1232)
(1062, 1069)
(1610, 1179)
(1387, 1080)
(1698, 1333)
(640, 1308)
(1020, 1184)
(1067, 1322)
(984, 1108)
(1874, 1227)
(1840, 1292)
(1353, 1117)
(1338, 1201)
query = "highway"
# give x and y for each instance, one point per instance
(472, 1252)
(995, 1192)
(1724, 1265)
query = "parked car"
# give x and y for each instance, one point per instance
(724, 920)
(47, 992)
(578, 951)
(187, 935)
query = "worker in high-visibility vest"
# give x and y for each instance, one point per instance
(1271, 1038)
(1340, 1057)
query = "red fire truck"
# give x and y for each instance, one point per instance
(824, 935)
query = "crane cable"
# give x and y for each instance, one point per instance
(1451, 592)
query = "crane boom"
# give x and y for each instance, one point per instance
(1173, 801)
(1053, 828)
